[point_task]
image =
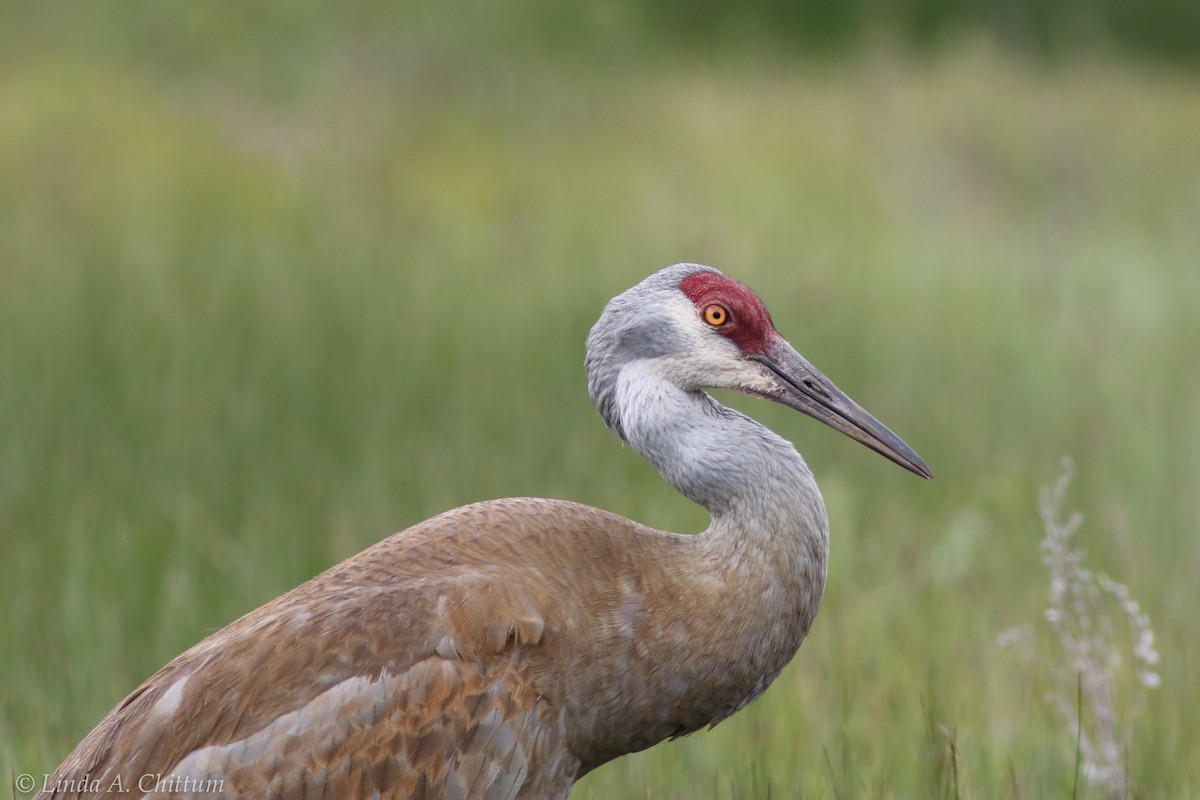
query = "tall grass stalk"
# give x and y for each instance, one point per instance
(1091, 688)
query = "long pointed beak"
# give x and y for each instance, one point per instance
(801, 386)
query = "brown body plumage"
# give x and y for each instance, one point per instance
(463, 645)
(502, 649)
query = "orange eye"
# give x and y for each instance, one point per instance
(716, 314)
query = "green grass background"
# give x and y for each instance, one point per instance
(268, 294)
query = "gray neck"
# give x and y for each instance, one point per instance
(760, 493)
(751, 583)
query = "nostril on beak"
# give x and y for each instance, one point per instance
(816, 388)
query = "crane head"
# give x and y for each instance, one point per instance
(704, 330)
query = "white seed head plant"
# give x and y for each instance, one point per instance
(1097, 648)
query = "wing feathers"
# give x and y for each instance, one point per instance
(444, 729)
(416, 668)
(484, 614)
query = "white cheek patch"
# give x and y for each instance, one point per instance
(759, 380)
(708, 359)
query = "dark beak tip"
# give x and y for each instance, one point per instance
(916, 465)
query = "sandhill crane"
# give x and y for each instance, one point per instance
(504, 649)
